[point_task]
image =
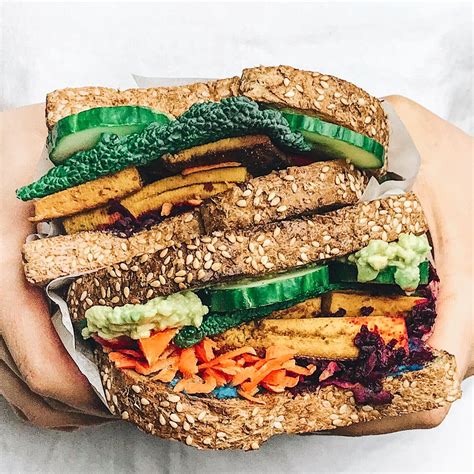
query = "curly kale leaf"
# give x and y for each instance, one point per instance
(202, 123)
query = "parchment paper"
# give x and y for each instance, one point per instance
(404, 160)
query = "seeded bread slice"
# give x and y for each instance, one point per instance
(235, 254)
(328, 97)
(284, 194)
(50, 258)
(209, 423)
(172, 100)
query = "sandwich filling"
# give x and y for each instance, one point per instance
(306, 327)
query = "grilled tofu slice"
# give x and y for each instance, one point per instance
(255, 152)
(154, 195)
(173, 190)
(361, 304)
(87, 196)
(307, 309)
(323, 338)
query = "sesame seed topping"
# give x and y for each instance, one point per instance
(201, 415)
(125, 415)
(173, 398)
(173, 424)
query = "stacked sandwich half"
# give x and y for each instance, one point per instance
(229, 277)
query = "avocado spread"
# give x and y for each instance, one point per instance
(406, 254)
(203, 123)
(138, 320)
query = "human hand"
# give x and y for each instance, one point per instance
(444, 189)
(37, 376)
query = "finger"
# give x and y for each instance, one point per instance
(33, 408)
(6, 357)
(39, 355)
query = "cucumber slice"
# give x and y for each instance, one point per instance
(335, 142)
(255, 293)
(82, 131)
(346, 272)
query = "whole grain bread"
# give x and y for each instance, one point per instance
(328, 97)
(209, 423)
(284, 194)
(295, 191)
(172, 100)
(50, 258)
(235, 254)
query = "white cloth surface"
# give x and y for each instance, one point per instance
(419, 50)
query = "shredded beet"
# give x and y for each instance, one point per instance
(422, 318)
(127, 224)
(364, 375)
(366, 310)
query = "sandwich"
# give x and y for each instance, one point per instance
(223, 266)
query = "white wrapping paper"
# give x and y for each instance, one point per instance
(404, 160)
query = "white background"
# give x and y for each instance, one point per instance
(422, 51)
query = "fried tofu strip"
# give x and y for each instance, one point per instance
(153, 196)
(255, 152)
(98, 218)
(323, 338)
(359, 304)
(172, 190)
(87, 196)
(306, 309)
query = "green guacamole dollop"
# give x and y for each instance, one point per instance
(406, 254)
(139, 320)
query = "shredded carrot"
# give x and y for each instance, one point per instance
(277, 377)
(273, 388)
(131, 353)
(266, 369)
(250, 358)
(245, 374)
(227, 355)
(205, 350)
(196, 385)
(221, 379)
(166, 209)
(188, 362)
(122, 361)
(291, 366)
(166, 375)
(160, 364)
(250, 396)
(153, 346)
(274, 352)
(196, 169)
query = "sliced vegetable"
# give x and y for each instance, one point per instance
(258, 292)
(153, 346)
(331, 141)
(205, 350)
(82, 131)
(188, 362)
(158, 366)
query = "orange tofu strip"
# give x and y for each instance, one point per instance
(324, 338)
(88, 195)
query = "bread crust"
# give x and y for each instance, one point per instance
(172, 100)
(209, 423)
(261, 250)
(50, 258)
(330, 98)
